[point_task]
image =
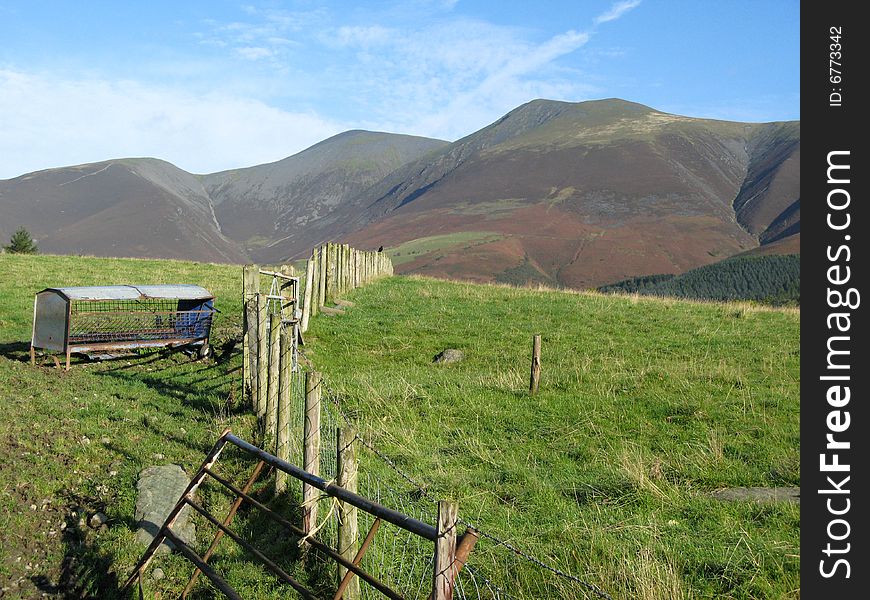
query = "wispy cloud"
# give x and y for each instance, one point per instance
(68, 121)
(616, 11)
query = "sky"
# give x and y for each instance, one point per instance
(214, 85)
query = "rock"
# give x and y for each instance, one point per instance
(448, 356)
(97, 520)
(759, 494)
(160, 488)
(157, 574)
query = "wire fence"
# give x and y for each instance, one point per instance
(406, 563)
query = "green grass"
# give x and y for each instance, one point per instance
(73, 443)
(646, 406)
(414, 249)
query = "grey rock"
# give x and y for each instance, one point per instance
(159, 489)
(97, 520)
(759, 494)
(158, 574)
(448, 356)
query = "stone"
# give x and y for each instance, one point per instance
(160, 488)
(158, 574)
(448, 356)
(97, 520)
(759, 494)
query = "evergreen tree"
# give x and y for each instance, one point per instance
(21, 243)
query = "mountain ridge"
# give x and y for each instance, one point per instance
(576, 194)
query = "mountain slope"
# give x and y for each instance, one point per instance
(140, 207)
(582, 194)
(282, 209)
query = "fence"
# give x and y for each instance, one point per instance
(274, 321)
(449, 550)
(310, 428)
(334, 269)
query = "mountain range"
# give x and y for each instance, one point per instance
(569, 194)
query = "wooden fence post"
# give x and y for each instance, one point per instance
(272, 396)
(318, 284)
(535, 378)
(321, 285)
(285, 368)
(348, 528)
(311, 449)
(250, 285)
(306, 299)
(262, 356)
(445, 551)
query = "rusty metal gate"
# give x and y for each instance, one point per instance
(450, 551)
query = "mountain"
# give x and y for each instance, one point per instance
(283, 209)
(146, 207)
(569, 194)
(584, 194)
(138, 207)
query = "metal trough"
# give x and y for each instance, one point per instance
(88, 320)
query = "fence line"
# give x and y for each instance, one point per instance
(332, 270)
(475, 574)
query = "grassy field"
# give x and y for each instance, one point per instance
(410, 251)
(646, 406)
(73, 443)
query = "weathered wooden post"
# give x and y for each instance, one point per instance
(311, 448)
(272, 396)
(250, 288)
(285, 369)
(321, 294)
(306, 299)
(445, 552)
(348, 527)
(535, 378)
(262, 356)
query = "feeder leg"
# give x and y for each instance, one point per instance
(67, 360)
(32, 355)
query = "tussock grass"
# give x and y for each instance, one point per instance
(646, 406)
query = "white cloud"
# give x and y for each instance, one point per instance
(616, 11)
(49, 122)
(254, 52)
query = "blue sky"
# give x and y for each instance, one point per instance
(212, 85)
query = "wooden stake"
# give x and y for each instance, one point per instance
(306, 300)
(285, 368)
(274, 373)
(249, 328)
(311, 448)
(348, 527)
(445, 551)
(339, 593)
(321, 294)
(262, 357)
(535, 378)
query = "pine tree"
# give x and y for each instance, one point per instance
(21, 243)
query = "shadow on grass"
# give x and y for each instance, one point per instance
(18, 351)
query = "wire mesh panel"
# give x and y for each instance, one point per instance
(108, 321)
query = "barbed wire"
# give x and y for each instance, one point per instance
(497, 541)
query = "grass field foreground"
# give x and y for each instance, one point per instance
(646, 406)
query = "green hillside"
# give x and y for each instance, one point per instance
(771, 279)
(646, 406)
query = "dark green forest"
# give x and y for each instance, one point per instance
(774, 280)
